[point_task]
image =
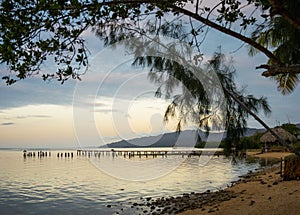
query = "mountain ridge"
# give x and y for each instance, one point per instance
(187, 138)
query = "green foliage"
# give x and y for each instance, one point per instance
(282, 37)
(34, 32)
(31, 31)
(231, 11)
(244, 143)
(227, 146)
(296, 146)
(236, 115)
(200, 144)
(251, 142)
(291, 128)
(196, 102)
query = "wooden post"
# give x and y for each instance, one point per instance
(281, 167)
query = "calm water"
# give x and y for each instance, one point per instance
(77, 186)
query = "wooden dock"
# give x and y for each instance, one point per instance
(130, 153)
(36, 153)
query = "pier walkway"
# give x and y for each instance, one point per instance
(141, 152)
(128, 152)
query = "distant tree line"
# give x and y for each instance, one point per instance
(251, 142)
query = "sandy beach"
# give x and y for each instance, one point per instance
(269, 154)
(258, 193)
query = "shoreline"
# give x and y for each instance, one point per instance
(259, 192)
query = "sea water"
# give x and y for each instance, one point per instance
(77, 185)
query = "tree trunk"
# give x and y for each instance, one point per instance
(282, 141)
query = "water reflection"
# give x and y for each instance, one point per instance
(67, 185)
(263, 162)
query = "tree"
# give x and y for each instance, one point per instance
(291, 128)
(207, 103)
(32, 32)
(283, 37)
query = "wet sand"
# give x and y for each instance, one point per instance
(258, 193)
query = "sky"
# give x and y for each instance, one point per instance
(116, 101)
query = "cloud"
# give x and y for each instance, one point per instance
(25, 117)
(33, 116)
(153, 108)
(109, 110)
(7, 123)
(33, 91)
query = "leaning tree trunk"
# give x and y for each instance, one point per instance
(282, 141)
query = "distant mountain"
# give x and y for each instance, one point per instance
(183, 139)
(186, 138)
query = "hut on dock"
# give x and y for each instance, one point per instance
(268, 139)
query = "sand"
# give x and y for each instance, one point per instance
(259, 193)
(269, 154)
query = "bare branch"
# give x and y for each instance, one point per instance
(276, 70)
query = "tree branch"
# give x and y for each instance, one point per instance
(227, 31)
(197, 6)
(278, 9)
(205, 21)
(276, 70)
